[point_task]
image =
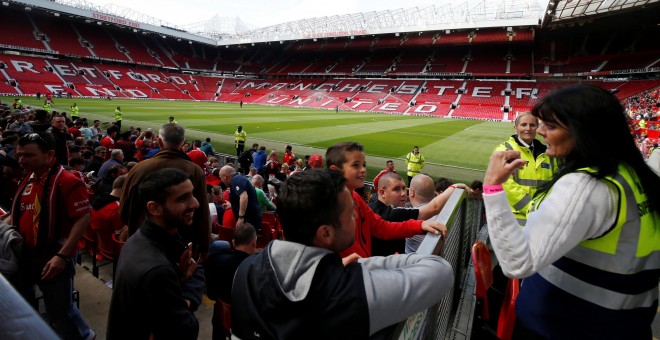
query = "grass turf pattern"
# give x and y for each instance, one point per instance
(454, 148)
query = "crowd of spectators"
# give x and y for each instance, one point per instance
(340, 231)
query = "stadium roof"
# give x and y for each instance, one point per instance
(232, 31)
(487, 13)
(559, 11)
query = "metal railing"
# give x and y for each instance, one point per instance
(463, 217)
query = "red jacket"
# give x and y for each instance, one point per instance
(368, 223)
(198, 157)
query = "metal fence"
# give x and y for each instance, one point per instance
(463, 217)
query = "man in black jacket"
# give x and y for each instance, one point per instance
(155, 292)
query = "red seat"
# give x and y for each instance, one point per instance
(222, 311)
(507, 317)
(267, 234)
(89, 242)
(483, 274)
(271, 218)
(484, 279)
(225, 233)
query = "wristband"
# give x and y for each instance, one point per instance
(241, 216)
(62, 257)
(493, 189)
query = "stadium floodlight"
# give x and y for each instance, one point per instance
(28, 8)
(56, 14)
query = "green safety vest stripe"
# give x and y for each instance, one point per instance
(617, 252)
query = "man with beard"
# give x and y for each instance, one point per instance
(301, 288)
(150, 297)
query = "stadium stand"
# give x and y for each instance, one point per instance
(488, 70)
(19, 32)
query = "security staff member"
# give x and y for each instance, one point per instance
(239, 137)
(522, 185)
(415, 162)
(74, 111)
(118, 117)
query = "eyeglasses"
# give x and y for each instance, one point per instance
(35, 137)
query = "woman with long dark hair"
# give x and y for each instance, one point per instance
(590, 251)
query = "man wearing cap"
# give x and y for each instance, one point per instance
(239, 137)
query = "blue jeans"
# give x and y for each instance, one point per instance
(57, 293)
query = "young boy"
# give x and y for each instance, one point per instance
(348, 157)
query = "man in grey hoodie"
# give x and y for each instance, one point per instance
(301, 288)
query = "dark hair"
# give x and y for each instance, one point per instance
(44, 140)
(87, 154)
(114, 170)
(197, 143)
(112, 129)
(155, 184)
(442, 184)
(119, 182)
(76, 161)
(336, 154)
(244, 234)
(589, 113)
(308, 200)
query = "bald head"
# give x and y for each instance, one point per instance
(422, 189)
(226, 172)
(257, 181)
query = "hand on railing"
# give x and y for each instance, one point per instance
(434, 227)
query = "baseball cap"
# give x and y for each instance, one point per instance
(315, 161)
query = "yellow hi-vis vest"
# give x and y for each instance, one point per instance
(617, 271)
(117, 115)
(415, 163)
(74, 111)
(523, 183)
(240, 137)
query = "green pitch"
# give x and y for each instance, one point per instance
(454, 148)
